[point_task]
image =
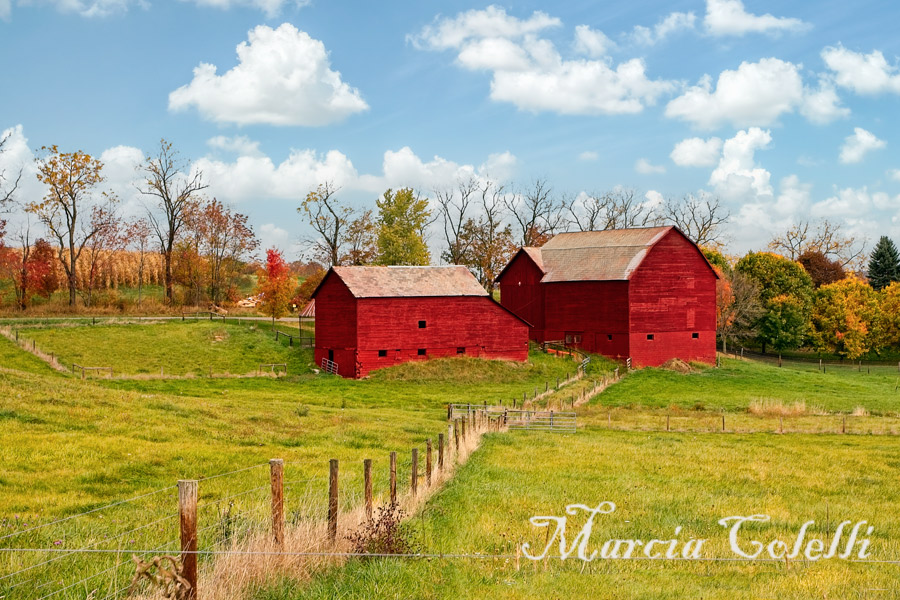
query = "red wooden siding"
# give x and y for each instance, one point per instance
(673, 296)
(336, 325)
(595, 310)
(522, 293)
(476, 324)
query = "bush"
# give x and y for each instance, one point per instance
(385, 533)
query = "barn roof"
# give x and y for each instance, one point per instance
(398, 282)
(612, 255)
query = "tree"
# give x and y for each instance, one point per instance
(309, 285)
(30, 267)
(699, 218)
(846, 318)
(8, 185)
(174, 192)
(737, 306)
(98, 256)
(42, 269)
(226, 242)
(889, 298)
(822, 270)
(72, 179)
(785, 294)
(275, 285)
(453, 207)
(620, 208)
(138, 233)
(402, 219)
(822, 236)
(717, 259)
(490, 241)
(536, 213)
(329, 219)
(361, 241)
(884, 264)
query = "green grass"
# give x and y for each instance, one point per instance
(13, 357)
(739, 383)
(658, 482)
(178, 348)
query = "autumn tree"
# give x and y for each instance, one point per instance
(846, 318)
(785, 294)
(884, 264)
(360, 241)
(822, 236)
(227, 240)
(329, 219)
(42, 269)
(537, 214)
(822, 270)
(402, 219)
(174, 192)
(490, 241)
(72, 180)
(98, 250)
(737, 306)
(454, 205)
(138, 233)
(307, 287)
(15, 264)
(275, 284)
(700, 218)
(890, 315)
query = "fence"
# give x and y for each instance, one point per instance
(84, 370)
(217, 537)
(547, 420)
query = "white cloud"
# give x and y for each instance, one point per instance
(283, 77)
(847, 202)
(738, 176)
(644, 167)
(270, 7)
(588, 156)
(528, 71)
(729, 17)
(272, 236)
(823, 106)
(106, 8)
(755, 94)
(894, 174)
(239, 144)
(5, 9)
(862, 73)
(674, 22)
(859, 144)
(591, 42)
(697, 152)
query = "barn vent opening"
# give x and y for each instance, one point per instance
(609, 337)
(422, 325)
(461, 350)
(650, 336)
(421, 352)
(382, 353)
(695, 335)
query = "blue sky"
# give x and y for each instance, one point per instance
(783, 110)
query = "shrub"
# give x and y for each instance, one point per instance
(384, 533)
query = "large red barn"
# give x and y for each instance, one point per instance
(368, 318)
(647, 294)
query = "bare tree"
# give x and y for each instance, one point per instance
(361, 240)
(620, 208)
(699, 218)
(329, 219)
(454, 204)
(8, 185)
(536, 213)
(138, 234)
(823, 236)
(174, 192)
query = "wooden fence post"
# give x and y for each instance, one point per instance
(414, 477)
(367, 477)
(723, 422)
(449, 411)
(428, 463)
(393, 478)
(332, 500)
(456, 436)
(276, 473)
(187, 513)
(440, 452)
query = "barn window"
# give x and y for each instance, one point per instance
(421, 351)
(695, 335)
(461, 350)
(650, 336)
(382, 353)
(609, 337)
(422, 325)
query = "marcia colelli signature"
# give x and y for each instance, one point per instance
(850, 540)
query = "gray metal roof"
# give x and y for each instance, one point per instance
(397, 282)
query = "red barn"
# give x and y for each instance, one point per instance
(647, 294)
(369, 318)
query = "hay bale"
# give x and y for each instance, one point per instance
(677, 365)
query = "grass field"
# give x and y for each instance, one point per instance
(68, 446)
(658, 482)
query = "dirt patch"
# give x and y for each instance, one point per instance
(677, 365)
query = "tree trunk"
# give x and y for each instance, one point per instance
(170, 292)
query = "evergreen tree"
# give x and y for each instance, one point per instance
(884, 264)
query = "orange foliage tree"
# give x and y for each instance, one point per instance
(274, 285)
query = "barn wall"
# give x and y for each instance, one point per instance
(521, 292)
(672, 297)
(594, 309)
(476, 324)
(336, 330)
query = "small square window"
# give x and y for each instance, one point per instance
(461, 350)
(695, 335)
(382, 353)
(650, 336)
(609, 337)
(421, 324)
(421, 351)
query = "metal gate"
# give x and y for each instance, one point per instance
(538, 420)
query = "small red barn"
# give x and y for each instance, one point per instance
(647, 294)
(369, 318)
